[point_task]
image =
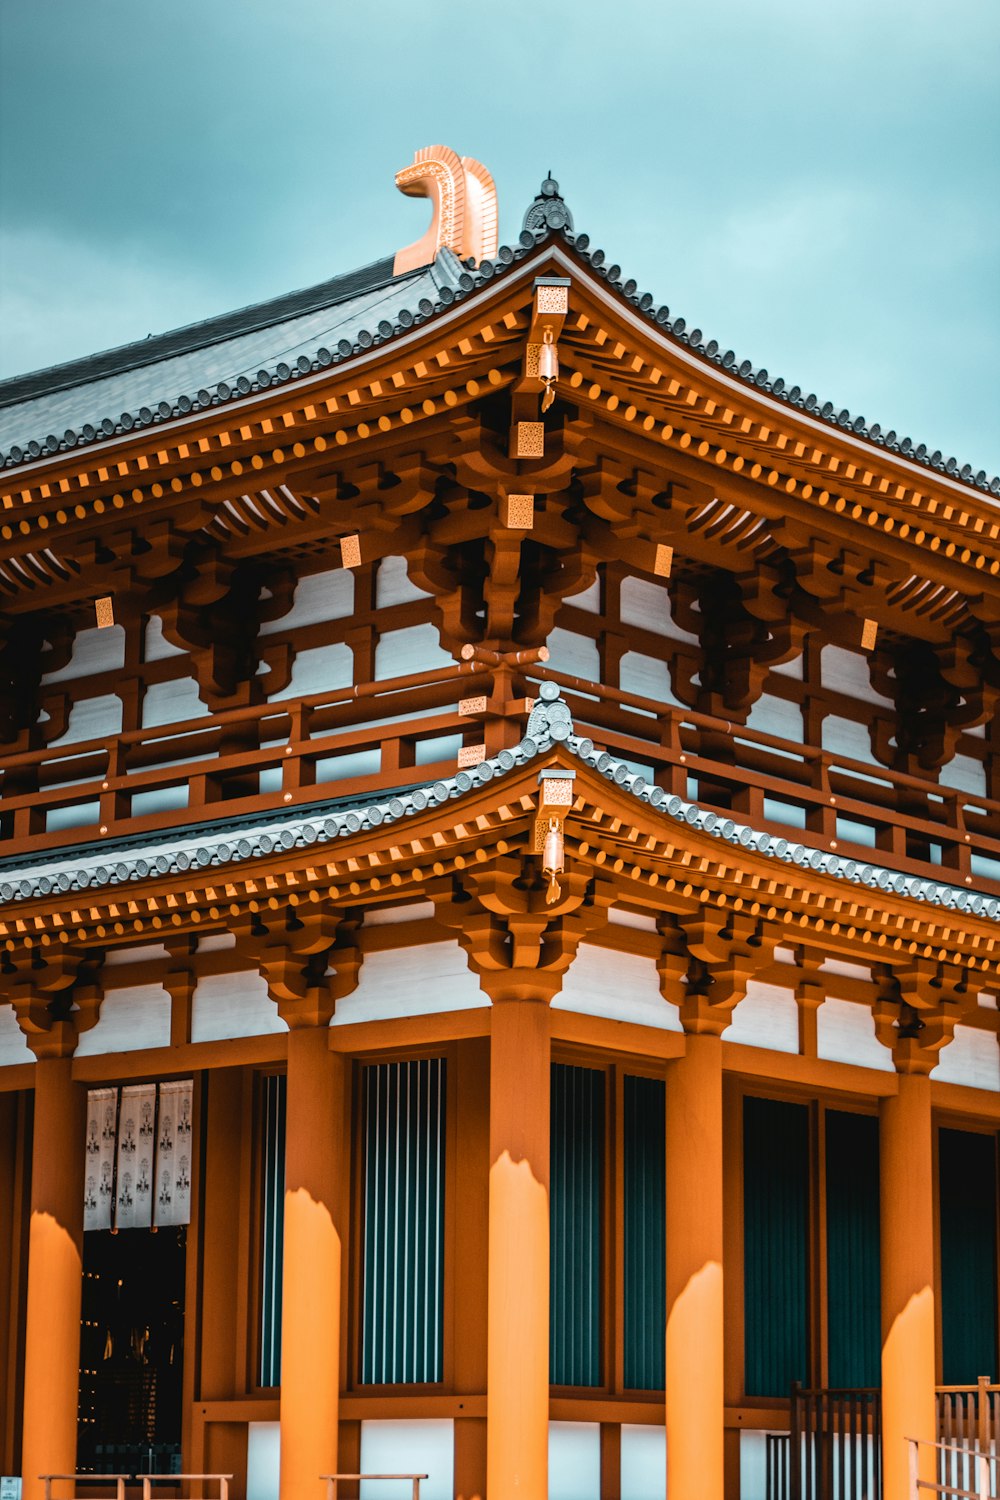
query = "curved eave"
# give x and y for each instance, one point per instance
(664, 852)
(772, 398)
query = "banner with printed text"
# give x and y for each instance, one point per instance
(173, 1154)
(99, 1177)
(136, 1143)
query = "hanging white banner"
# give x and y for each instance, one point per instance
(173, 1154)
(99, 1189)
(136, 1140)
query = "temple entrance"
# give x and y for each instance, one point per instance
(131, 1352)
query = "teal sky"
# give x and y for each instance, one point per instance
(816, 186)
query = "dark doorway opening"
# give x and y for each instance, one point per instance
(131, 1352)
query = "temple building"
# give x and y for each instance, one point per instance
(499, 903)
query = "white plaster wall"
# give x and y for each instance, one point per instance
(845, 1032)
(320, 669)
(400, 653)
(777, 716)
(13, 1043)
(846, 737)
(131, 1018)
(439, 747)
(753, 1465)
(93, 651)
(622, 986)
(318, 597)
(409, 1447)
(156, 646)
(576, 655)
(97, 718)
(847, 672)
(966, 774)
(574, 1461)
(393, 584)
(646, 676)
(845, 970)
(643, 1462)
(228, 1005)
(418, 981)
(353, 763)
(588, 598)
(171, 702)
(971, 1057)
(791, 668)
(213, 942)
(141, 953)
(637, 919)
(263, 1460)
(767, 1016)
(72, 815)
(160, 799)
(648, 605)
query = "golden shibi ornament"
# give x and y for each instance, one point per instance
(548, 367)
(552, 860)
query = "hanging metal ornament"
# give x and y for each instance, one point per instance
(552, 860)
(548, 367)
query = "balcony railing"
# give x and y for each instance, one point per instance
(379, 737)
(833, 1449)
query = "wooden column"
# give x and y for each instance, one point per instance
(11, 1224)
(694, 1350)
(517, 1404)
(314, 1261)
(471, 1254)
(908, 1347)
(223, 1303)
(55, 1275)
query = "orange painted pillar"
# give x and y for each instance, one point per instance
(517, 1401)
(55, 1276)
(694, 1353)
(316, 1133)
(908, 1341)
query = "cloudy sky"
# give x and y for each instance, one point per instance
(816, 185)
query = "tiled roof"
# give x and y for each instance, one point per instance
(207, 363)
(549, 725)
(219, 367)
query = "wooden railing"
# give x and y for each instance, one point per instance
(379, 737)
(972, 1473)
(835, 1444)
(122, 1481)
(333, 1480)
(968, 1417)
(148, 1480)
(118, 1480)
(915, 824)
(834, 1447)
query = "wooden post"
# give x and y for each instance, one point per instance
(55, 1276)
(314, 1254)
(471, 1252)
(517, 1403)
(908, 1353)
(11, 1145)
(221, 1304)
(694, 1350)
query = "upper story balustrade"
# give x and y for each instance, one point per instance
(377, 737)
